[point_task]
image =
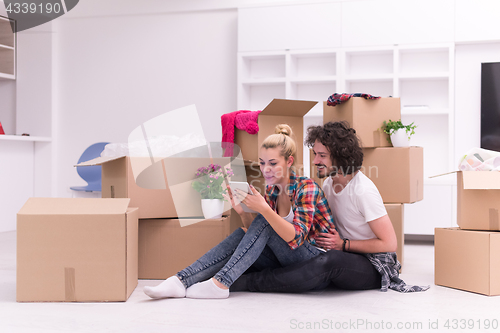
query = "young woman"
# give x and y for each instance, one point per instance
(292, 214)
(361, 252)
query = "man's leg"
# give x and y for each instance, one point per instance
(344, 270)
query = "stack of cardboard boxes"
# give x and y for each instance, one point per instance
(468, 257)
(74, 249)
(397, 172)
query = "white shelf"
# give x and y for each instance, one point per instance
(266, 82)
(424, 76)
(423, 111)
(374, 77)
(4, 76)
(315, 79)
(24, 138)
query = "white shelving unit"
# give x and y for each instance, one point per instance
(24, 138)
(421, 75)
(7, 50)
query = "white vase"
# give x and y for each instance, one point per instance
(212, 208)
(400, 139)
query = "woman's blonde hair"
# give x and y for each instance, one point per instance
(282, 139)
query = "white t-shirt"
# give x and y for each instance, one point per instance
(356, 205)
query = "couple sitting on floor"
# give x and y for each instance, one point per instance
(304, 237)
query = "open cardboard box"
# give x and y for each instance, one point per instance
(161, 189)
(279, 111)
(76, 250)
(478, 199)
(366, 117)
(167, 246)
(467, 260)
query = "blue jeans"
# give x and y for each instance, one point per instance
(260, 246)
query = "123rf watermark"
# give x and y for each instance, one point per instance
(369, 325)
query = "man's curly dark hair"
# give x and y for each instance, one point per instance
(342, 143)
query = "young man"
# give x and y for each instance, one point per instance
(361, 255)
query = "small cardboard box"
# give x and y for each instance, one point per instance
(366, 117)
(165, 185)
(396, 214)
(76, 250)
(467, 260)
(279, 111)
(478, 200)
(167, 246)
(398, 173)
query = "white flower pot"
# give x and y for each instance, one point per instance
(212, 208)
(400, 139)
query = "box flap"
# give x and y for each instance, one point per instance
(287, 107)
(99, 160)
(74, 206)
(481, 180)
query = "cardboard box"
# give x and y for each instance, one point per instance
(167, 246)
(396, 214)
(366, 117)
(76, 250)
(478, 200)
(162, 189)
(398, 173)
(467, 260)
(279, 111)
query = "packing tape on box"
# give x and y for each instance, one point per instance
(69, 281)
(494, 223)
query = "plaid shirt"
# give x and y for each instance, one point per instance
(312, 214)
(387, 264)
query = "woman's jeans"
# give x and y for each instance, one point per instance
(260, 247)
(336, 268)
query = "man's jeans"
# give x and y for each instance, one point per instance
(260, 246)
(336, 268)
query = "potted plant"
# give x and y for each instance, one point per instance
(399, 134)
(209, 183)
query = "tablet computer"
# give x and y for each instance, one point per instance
(245, 187)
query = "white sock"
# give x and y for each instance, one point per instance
(171, 287)
(206, 289)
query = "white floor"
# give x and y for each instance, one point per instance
(330, 310)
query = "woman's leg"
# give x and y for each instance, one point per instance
(212, 261)
(202, 269)
(342, 269)
(258, 235)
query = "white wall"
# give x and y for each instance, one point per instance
(114, 73)
(468, 59)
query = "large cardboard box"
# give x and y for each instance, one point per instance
(396, 214)
(366, 117)
(279, 111)
(467, 260)
(167, 246)
(478, 200)
(160, 189)
(398, 173)
(76, 250)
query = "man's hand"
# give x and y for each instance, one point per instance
(330, 241)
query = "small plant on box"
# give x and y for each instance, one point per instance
(392, 127)
(209, 181)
